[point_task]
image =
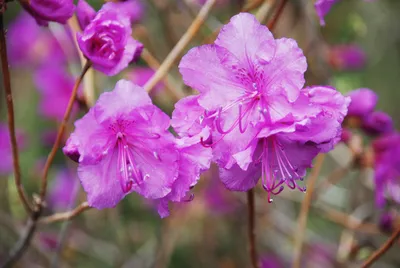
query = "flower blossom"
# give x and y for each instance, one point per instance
(107, 40)
(55, 87)
(363, 102)
(264, 123)
(6, 163)
(123, 145)
(347, 57)
(50, 10)
(387, 172)
(34, 47)
(377, 123)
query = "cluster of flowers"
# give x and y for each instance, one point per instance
(385, 144)
(253, 116)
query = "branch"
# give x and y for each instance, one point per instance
(382, 250)
(10, 115)
(180, 46)
(278, 13)
(61, 130)
(65, 216)
(251, 229)
(305, 207)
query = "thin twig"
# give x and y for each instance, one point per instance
(10, 115)
(61, 130)
(155, 65)
(65, 216)
(251, 228)
(280, 8)
(180, 46)
(305, 206)
(382, 250)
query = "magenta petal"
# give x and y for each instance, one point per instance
(285, 73)
(236, 179)
(85, 13)
(52, 10)
(323, 7)
(125, 97)
(247, 39)
(98, 181)
(363, 102)
(205, 68)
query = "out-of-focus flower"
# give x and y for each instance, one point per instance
(387, 167)
(319, 255)
(6, 163)
(347, 57)
(55, 87)
(377, 123)
(50, 10)
(386, 222)
(107, 41)
(363, 102)
(124, 145)
(63, 190)
(271, 262)
(30, 45)
(264, 123)
(140, 75)
(322, 7)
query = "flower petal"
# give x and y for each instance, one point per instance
(236, 179)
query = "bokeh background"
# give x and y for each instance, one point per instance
(344, 226)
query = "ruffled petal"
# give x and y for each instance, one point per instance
(250, 42)
(285, 73)
(236, 179)
(84, 13)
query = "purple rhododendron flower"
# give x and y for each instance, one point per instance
(124, 145)
(193, 160)
(63, 190)
(6, 163)
(55, 87)
(50, 10)
(263, 123)
(84, 13)
(363, 102)
(270, 262)
(377, 123)
(43, 47)
(347, 57)
(387, 168)
(107, 41)
(322, 8)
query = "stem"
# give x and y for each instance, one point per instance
(251, 229)
(10, 115)
(61, 130)
(65, 216)
(305, 207)
(382, 250)
(274, 20)
(180, 46)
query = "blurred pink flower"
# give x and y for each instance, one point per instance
(63, 190)
(347, 57)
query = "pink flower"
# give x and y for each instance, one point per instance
(140, 75)
(50, 10)
(377, 123)
(263, 123)
(363, 102)
(55, 87)
(347, 57)
(63, 190)
(107, 40)
(387, 163)
(323, 7)
(34, 47)
(6, 163)
(123, 145)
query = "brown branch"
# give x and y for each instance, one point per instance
(251, 229)
(60, 133)
(271, 25)
(305, 207)
(10, 115)
(382, 250)
(65, 216)
(180, 46)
